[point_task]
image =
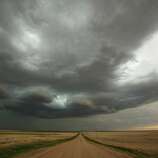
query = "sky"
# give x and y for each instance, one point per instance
(78, 64)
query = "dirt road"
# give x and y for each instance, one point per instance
(77, 148)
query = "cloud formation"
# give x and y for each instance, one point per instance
(74, 51)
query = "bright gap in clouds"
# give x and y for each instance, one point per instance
(144, 64)
(60, 101)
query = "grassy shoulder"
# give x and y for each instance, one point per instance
(133, 153)
(11, 152)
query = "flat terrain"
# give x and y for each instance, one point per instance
(76, 148)
(127, 144)
(14, 143)
(11, 138)
(142, 141)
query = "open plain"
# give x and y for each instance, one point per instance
(125, 144)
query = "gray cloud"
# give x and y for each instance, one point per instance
(75, 49)
(3, 93)
(41, 105)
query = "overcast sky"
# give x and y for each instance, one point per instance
(86, 63)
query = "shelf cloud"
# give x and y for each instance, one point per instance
(61, 59)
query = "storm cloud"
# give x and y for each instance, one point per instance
(74, 58)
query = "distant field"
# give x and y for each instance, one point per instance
(12, 143)
(143, 141)
(8, 138)
(127, 144)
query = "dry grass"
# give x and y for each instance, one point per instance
(11, 138)
(143, 141)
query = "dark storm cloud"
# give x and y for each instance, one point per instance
(12, 73)
(3, 93)
(40, 105)
(74, 48)
(94, 77)
(133, 21)
(143, 92)
(33, 104)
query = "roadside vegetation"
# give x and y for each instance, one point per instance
(138, 144)
(14, 150)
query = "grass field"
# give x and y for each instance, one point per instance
(138, 144)
(137, 141)
(13, 143)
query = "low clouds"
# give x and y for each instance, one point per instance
(32, 104)
(3, 93)
(75, 50)
(43, 105)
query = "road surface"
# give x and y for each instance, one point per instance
(76, 148)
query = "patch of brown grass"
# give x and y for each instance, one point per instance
(144, 141)
(11, 138)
